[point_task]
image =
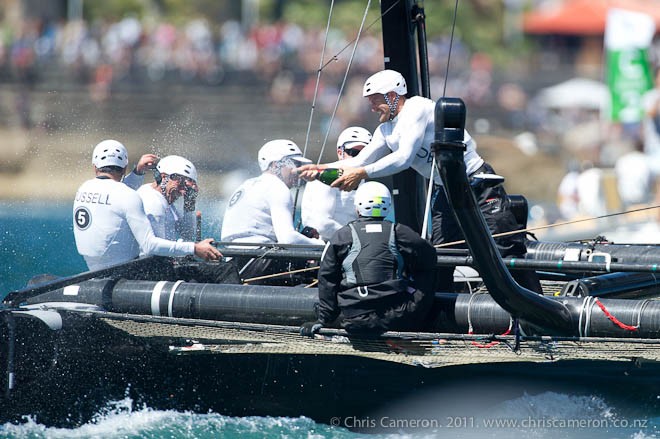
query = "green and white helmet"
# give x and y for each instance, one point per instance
(373, 199)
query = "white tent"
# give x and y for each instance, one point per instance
(575, 93)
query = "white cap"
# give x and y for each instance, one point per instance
(352, 136)
(110, 153)
(174, 164)
(276, 150)
(384, 82)
(373, 199)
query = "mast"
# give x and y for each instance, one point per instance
(399, 49)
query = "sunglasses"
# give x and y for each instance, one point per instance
(352, 152)
(181, 179)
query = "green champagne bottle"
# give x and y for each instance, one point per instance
(329, 175)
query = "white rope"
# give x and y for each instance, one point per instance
(343, 83)
(585, 314)
(429, 194)
(469, 317)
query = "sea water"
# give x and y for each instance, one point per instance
(547, 415)
(37, 238)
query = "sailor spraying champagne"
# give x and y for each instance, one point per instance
(326, 208)
(109, 223)
(403, 140)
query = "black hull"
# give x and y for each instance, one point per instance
(64, 377)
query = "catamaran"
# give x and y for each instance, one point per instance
(161, 332)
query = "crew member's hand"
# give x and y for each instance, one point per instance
(310, 172)
(205, 250)
(147, 161)
(308, 329)
(310, 232)
(350, 179)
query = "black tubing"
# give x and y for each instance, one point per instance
(239, 303)
(615, 285)
(519, 302)
(487, 317)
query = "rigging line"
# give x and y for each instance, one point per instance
(318, 77)
(549, 226)
(311, 114)
(333, 58)
(451, 44)
(429, 190)
(283, 273)
(343, 83)
(378, 19)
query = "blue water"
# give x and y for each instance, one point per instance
(548, 415)
(37, 238)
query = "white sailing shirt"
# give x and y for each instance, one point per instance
(261, 211)
(327, 209)
(405, 142)
(166, 220)
(110, 226)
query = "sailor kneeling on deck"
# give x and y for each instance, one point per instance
(377, 274)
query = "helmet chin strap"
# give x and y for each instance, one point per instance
(392, 105)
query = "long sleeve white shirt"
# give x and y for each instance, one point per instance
(166, 220)
(110, 226)
(327, 209)
(261, 211)
(405, 142)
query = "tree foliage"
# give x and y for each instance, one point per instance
(479, 23)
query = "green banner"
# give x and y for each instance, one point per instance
(628, 78)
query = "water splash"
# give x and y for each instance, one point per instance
(119, 419)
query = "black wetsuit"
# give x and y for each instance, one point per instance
(496, 209)
(379, 275)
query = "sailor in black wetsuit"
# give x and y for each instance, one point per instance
(377, 274)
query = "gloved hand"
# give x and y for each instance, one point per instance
(310, 232)
(190, 198)
(308, 329)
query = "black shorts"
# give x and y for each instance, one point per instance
(496, 209)
(408, 315)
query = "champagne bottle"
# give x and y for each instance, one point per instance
(329, 175)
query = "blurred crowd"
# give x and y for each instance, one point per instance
(613, 166)
(285, 55)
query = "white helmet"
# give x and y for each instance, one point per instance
(174, 164)
(276, 150)
(373, 199)
(383, 82)
(352, 135)
(110, 153)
